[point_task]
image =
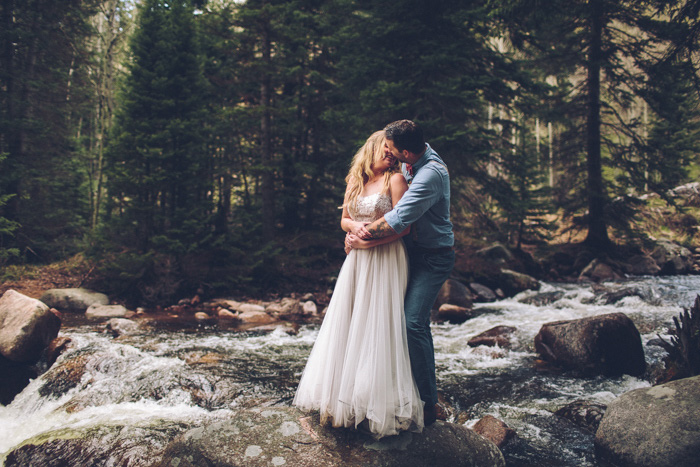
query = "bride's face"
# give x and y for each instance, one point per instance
(386, 162)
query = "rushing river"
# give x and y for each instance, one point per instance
(127, 397)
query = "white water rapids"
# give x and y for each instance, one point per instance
(156, 385)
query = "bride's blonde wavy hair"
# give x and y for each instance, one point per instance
(361, 169)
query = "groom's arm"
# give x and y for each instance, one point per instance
(380, 228)
(424, 192)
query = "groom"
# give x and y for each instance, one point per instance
(426, 208)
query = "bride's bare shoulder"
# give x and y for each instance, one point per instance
(398, 180)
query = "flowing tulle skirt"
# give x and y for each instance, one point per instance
(359, 366)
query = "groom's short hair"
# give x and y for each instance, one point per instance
(406, 135)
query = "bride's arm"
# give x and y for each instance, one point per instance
(350, 225)
(357, 243)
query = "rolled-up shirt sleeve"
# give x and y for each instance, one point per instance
(425, 190)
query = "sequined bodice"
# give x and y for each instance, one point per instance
(370, 208)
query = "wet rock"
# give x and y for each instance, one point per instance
(585, 414)
(453, 314)
(599, 271)
(106, 311)
(543, 298)
(289, 328)
(200, 315)
(223, 313)
(250, 308)
(309, 308)
(55, 348)
(496, 336)
(494, 430)
(454, 293)
(483, 293)
(286, 436)
(641, 265)
(122, 327)
(615, 296)
(114, 444)
(513, 282)
(255, 317)
(73, 300)
(656, 426)
(15, 377)
(286, 306)
(27, 326)
(672, 258)
(607, 344)
(61, 378)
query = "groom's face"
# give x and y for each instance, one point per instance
(389, 148)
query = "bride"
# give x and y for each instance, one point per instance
(359, 371)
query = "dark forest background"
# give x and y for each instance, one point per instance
(183, 146)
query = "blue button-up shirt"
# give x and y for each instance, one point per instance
(426, 204)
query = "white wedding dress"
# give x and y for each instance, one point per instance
(359, 366)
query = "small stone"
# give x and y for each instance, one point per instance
(201, 315)
(494, 430)
(121, 326)
(453, 313)
(309, 308)
(106, 311)
(226, 314)
(255, 317)
(496, 336)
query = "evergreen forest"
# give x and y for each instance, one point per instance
(194, 146)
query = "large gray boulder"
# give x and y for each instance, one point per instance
(454, 292)
(657, 426)
(513, 282)
(672, 258)
(287, 436)
(641, 265)
(73, 300)
(607, 344)
(27, 326)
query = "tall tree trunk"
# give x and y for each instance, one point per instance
(110, 31)
(597, 226)
(267, 182)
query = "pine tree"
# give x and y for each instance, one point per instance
(42, 87)
(158, 174)
(605, 48)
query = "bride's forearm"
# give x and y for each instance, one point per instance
(360, 244)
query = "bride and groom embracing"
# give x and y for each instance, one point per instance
(373, 365)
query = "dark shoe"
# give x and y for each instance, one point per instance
(429, 415)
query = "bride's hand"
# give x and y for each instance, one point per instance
(354, 242)
(360, 230)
